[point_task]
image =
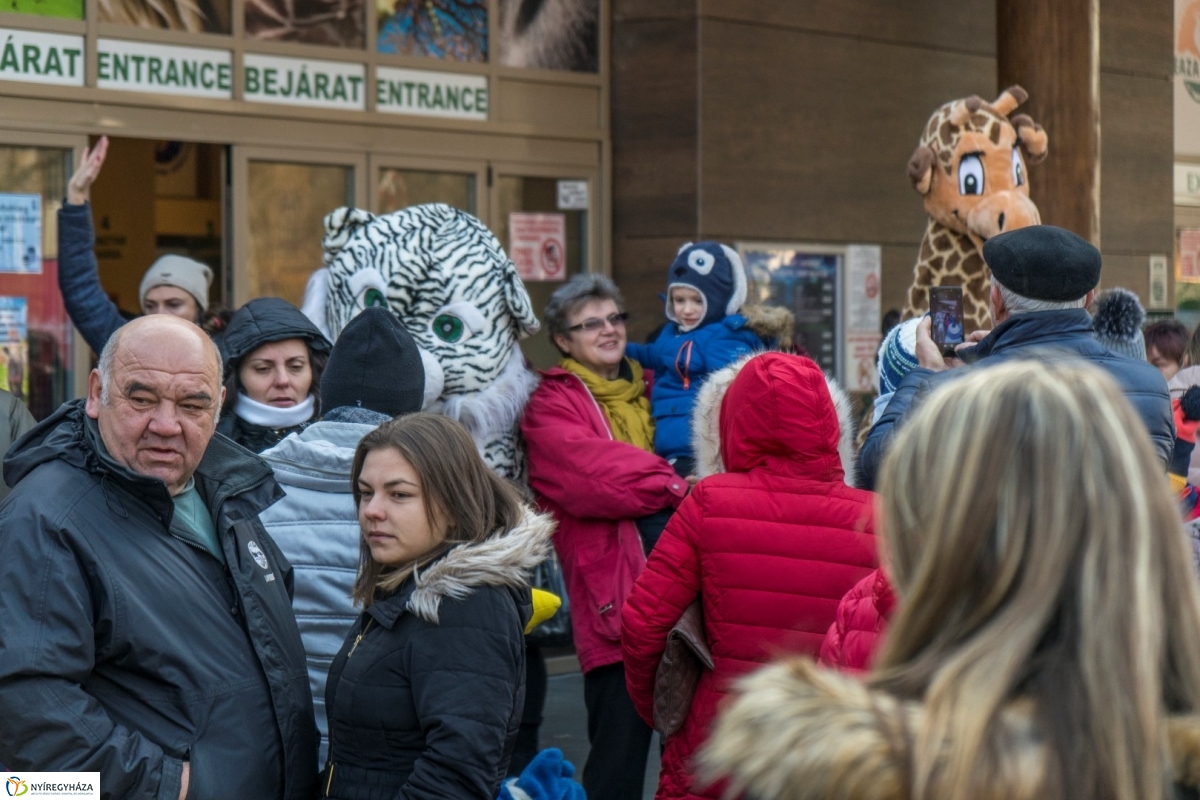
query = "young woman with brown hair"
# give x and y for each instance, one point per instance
(1045, 640)
(425, 697)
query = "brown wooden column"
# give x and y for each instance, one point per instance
(1053, 50)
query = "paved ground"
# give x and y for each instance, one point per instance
(565, 727)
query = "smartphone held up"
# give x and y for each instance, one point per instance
(946, 315)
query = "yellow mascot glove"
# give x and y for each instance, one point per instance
(545, 606)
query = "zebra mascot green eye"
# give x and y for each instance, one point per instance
(448, 328)
(374, 297)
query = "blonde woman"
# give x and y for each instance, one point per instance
(1046, 642)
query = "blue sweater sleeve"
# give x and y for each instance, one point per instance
(641, 353)
(90, 310)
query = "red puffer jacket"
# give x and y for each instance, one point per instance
(853, 638)
(595, 487)
(770, 546)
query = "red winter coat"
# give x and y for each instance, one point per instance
(853, 638)
(770, 546)
(595, 487)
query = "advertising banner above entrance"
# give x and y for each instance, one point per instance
(142, 67)
(305, 82)
(34, 57)
(431, 94)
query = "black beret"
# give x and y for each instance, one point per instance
(1043, 262)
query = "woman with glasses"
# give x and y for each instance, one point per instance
(590, 442)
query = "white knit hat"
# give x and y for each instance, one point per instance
(181, 272)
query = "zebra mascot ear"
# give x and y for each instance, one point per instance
(517, 299)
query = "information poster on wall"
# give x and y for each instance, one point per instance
(14, 346)
(1189, 256)
(861, 330)
(537, 244)
(21, 233)
(803, 279)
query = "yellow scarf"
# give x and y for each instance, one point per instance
(623, 402)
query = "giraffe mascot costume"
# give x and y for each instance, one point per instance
(970, 168)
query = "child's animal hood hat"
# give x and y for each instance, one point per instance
(716, 272)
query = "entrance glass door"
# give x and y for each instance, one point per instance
(35, 333)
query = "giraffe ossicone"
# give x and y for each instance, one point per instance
(970, 167)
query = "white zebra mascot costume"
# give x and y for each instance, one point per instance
(456, 291)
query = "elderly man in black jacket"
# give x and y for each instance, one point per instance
(146, 629)
(1043, 280)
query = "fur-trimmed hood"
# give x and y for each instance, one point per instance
(774, 324)
(798, 732)
(506, 559)
(803, 410)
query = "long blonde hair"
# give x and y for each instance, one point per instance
(1039, 557)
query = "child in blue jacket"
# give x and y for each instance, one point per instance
(706, 287)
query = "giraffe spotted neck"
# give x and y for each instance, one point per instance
(950, 258)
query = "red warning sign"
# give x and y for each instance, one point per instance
(537, 245)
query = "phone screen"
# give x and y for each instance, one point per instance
(946, 313)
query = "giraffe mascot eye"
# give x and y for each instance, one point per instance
(970, 175)
(1018, 167)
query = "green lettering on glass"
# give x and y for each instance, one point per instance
(252, 82)
(225, 77)
(71, 55)
(339, 88)
(120, 67)
(304, 85)
(9, 59)
(355, 86)
(154, 70)
(481, 101)
(53, 63)
(172, 76)
(190, 68)
(269, 75)
(408, 85)
(137, 67)
(452, 97)
(102, 64)
(321, 86)
(423, 95)
(206, 75)
(31, 55)
(286, 91)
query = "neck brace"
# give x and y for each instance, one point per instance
(257, 413)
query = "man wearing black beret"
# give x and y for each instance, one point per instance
(1043, 280)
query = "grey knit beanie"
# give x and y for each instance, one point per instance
(1118, 323)
(181, 272)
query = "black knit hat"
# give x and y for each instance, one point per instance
(375, 364)
(1043, 262)
(264, 320)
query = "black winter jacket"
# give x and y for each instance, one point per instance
(1042, 335)
(125, 649)
(425, 697)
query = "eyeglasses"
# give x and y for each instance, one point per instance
(596, 324)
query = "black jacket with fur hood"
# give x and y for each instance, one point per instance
(799, 732)
(425, 697)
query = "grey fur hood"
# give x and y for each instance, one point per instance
(795, 731)
(506, 560)
(706, 417)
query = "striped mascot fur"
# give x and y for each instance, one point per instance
(456, 291)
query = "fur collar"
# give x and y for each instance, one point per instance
(798, 732)
(706, 422)
(771, 323)
(495, 410)
(506, 559)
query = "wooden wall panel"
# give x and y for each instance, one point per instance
(654, 124)
(815, 145)
(1135, 37)
(963, 26)
(640, 270)
(1136, 157)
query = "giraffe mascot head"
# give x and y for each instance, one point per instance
(970, 168)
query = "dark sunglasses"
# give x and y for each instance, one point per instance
(596, 324)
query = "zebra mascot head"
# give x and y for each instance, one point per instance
(448, 280)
